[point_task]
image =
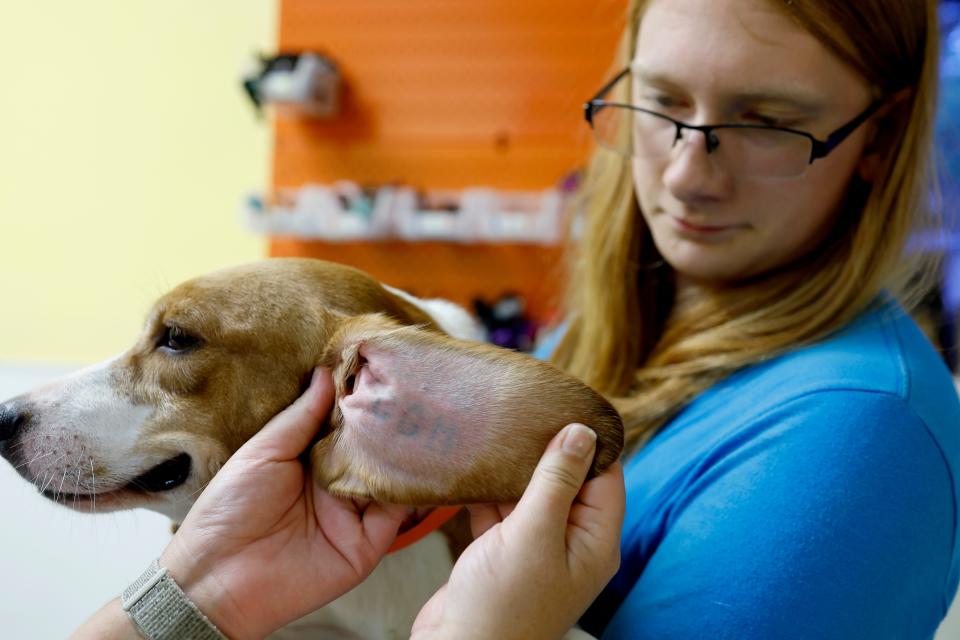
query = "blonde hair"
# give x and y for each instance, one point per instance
(629, 338)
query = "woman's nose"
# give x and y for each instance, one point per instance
(692, 173)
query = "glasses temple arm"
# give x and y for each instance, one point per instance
(823, 147)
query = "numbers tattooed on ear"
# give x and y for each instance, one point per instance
(409, 423)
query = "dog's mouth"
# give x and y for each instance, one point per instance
(166, 476)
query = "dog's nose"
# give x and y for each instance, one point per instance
(12, 420)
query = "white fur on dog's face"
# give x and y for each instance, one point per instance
(86, 426)
(90, 444)
(218, 357)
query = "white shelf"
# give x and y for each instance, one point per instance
(344, 212)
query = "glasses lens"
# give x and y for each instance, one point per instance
(749, 151)
(761, 152)
(611, 127)
(632, 132)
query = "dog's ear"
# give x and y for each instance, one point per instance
(424, 419)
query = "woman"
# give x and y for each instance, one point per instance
(794, 438)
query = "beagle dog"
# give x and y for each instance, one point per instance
(424, 414)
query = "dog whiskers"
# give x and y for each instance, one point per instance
(214, 471)
(42, 455)
(194, 494)
(22, 443)
(52, 473)
(26, 439)
(59, 492)
(79, 458)
(93, 477)
(47, 481)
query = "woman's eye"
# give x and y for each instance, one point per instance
(766, 120)
(176, 339)
(660, 101)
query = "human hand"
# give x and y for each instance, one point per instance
(264, 545)
(534, 568)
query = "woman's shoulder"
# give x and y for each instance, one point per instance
(880, 353)
(871, 386)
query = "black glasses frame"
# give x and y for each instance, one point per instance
(818, 149)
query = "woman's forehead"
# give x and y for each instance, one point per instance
(772, 91)
(740, 49)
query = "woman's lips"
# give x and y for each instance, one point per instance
(703, 230)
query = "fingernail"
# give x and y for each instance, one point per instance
(579, 440)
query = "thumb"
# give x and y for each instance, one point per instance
(558, 477)
(289, 433)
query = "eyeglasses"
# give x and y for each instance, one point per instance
(745, 150)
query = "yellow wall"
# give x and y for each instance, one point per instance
(126, 146)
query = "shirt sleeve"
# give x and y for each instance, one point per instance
(833, 516)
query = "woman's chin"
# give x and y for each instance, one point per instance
(708, 265)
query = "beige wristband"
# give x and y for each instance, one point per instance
(162, 611)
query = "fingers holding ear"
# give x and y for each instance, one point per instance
(596, 520)
(559, 476)
(484, 516)
(290, 432)
(605, 494)
(362, 533)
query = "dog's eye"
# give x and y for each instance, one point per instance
(176, 339)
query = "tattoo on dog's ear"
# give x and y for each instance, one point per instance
(424, 419)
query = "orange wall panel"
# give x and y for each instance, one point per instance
(449, 94)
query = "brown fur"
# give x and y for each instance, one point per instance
(519, 402)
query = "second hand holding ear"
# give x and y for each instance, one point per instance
(533, 569)
(264, 544)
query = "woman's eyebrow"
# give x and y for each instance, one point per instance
(649, 76)
(793, 98)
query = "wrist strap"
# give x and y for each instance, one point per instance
(162, 611)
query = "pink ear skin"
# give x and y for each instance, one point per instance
(424, 419)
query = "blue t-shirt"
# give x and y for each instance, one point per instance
(810, 496)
